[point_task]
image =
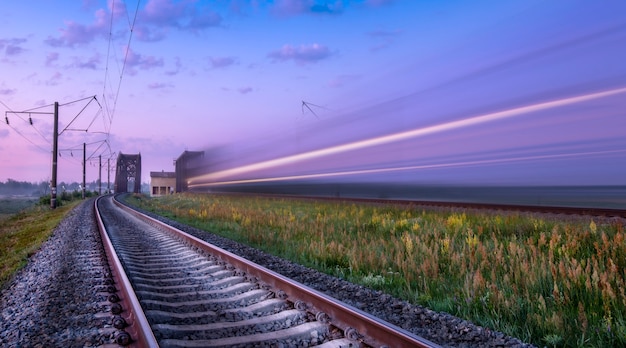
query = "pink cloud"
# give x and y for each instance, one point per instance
(7, 91)
(12, 47)
(55, 79)
(163, 12)
(79, 34)
(118, 8)
(303, 54)
(204, 19)
(221, 62)
(289, 7)
(13, 50)
(178, 65)
(89, 63)
(147, 34)
(51, 58)
(151, 21)
(181, 15)
(135, 60)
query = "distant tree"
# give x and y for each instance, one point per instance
(14, 187)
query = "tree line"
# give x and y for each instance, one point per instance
(25, 188)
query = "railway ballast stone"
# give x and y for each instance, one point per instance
(54, 300)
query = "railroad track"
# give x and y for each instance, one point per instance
(179, 291)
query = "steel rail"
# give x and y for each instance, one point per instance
(370, 330)
(138, 326)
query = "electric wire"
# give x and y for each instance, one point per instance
(130, 36)
(20, 133)
(80, 112)
(76, 101)
(38, 107)
(26, 138)
(106, 68)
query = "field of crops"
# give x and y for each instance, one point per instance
(546, 281)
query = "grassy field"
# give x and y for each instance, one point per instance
(549, 282)
(23, 232)
(12, 205)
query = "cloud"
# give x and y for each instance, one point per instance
(118, 8)
(51, 58)
(179, 14)
(146, 34)
(297, 7)
(135, 60)
(221, 62)
(159, 85)
(12, 47)
(7, 91)
(178, 64)
(152, 21)
(55, 79)
(163, 12)
(13, 50)
(90, 63)
(238, 6)
(335, 8)
(245, 90)
(78, 34)
(303, 54)
(204, 19)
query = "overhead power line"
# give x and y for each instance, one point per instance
(128, 46)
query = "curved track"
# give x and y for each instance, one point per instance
(188, 293)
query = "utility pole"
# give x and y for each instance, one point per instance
(55, 149)
(108, 175)
(84, 166)
(100, 175)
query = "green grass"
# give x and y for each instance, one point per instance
(551, 282)
(22, 233)
(10, 206)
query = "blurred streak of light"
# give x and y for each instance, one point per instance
(408, 168)
(405, 135)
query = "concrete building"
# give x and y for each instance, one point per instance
(188, 164)
(162, 183)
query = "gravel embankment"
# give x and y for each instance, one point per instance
(60, 298)
(441, 328)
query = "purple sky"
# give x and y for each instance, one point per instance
(492, 92)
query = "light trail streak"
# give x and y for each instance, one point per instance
(398, 169)
(414, 133)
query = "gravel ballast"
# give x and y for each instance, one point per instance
(59, 299)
